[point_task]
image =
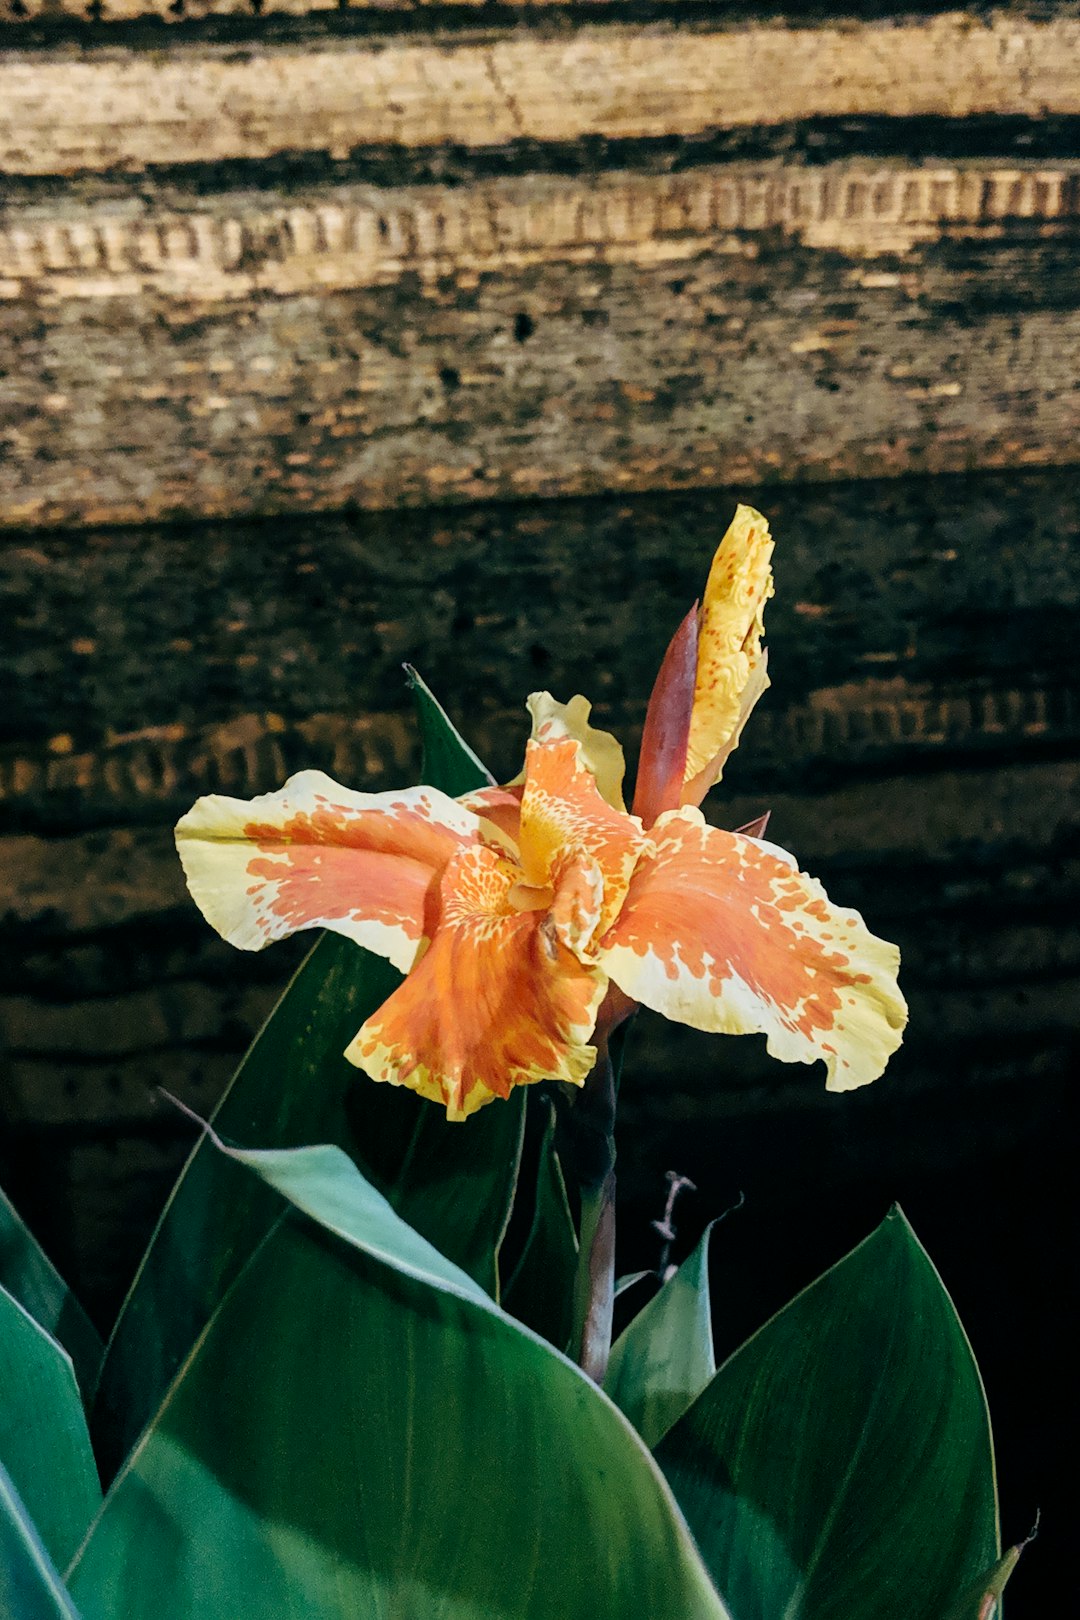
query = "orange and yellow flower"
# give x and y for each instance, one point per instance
(516, 913)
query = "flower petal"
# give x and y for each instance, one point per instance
(729, 665)
(601, 753)
(499, 807)
(317, 855)
(696, 787)
(724, 933)
(496, 1001)
(568, 830)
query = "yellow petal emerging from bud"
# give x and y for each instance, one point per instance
(731, 665)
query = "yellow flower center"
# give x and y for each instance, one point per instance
(530, 897)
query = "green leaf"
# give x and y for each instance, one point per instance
(839, 1466)
(447, 762)
(44, 1444)
(454, 1182)
(292, 1087)
(457, 1182)
(30, 1588)
(540, 1292)
(631, 1280)
(362, 1431)
(664, 1358)
(30, 1276)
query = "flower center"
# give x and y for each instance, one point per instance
(530, 897)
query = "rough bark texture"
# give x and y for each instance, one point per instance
(596, 339)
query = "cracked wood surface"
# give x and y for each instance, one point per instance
(231, 280)
(232, 246)
(121, 109)
(171, 353)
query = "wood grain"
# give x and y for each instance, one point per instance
(533, 335)
(128, 109)
(350, 237)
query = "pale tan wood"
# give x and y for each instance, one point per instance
(167, 11)
(203, 103)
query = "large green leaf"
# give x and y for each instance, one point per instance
(28, 1274)
(447, 761)
(44, 1444)
(30, 1588)
(457, 1182)
(839, 1466)
(294, 1087)
(362, 1431)
(664, 1358)
(291, 1088)
(540, 1292)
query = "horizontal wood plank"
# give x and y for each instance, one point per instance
(533, 336)
(336, 239)
(124, 109)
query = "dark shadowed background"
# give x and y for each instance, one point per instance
(919, 749)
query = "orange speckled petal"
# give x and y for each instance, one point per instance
(495, 1002)
(601, 753)
(729, 643)
(564, 819)
(724, 933)
(499, 807)
(316, 855)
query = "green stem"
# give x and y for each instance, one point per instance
(594, 1284)
(587, 1149)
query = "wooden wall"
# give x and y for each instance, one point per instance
(403, 257)
(331, 337)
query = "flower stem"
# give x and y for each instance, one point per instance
(587, 1149)
(594, 1285)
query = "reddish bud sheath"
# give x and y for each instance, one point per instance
(662, 762)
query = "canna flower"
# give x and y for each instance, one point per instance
(522, 915)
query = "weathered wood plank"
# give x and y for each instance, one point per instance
(534, 336)
(201, 103)
(106, 15)
(231, 247)
(32, 22)
(929, 623)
